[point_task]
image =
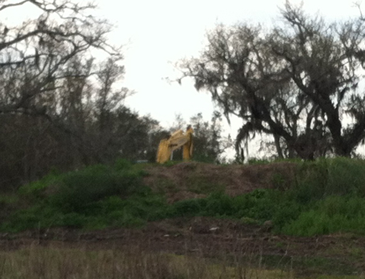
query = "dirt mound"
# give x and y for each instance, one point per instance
(220, 240)
(194, 180)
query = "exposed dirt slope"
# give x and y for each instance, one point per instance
(191, 179)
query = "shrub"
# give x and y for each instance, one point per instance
(260, 204)
(122, 165)
(187, 208)
(311, 181)
(36, 190)
(333, 214)
(78, 190)
(326, 177)
(218, 204)
(346, 176)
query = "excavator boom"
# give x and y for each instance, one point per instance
(175, 141)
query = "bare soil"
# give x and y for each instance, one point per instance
(220, 239)
(193, 180)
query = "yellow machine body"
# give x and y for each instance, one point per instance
(175, 141)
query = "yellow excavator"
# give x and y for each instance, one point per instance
(175, 141)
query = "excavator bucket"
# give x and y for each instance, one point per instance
(163, 152)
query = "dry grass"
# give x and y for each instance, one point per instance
(58, 263)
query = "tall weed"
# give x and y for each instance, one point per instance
(334, 176)
(333, 214)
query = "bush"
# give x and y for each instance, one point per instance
(122, 165)
(346, 176)
(81, 198)
(326, 177)
(311, 182)
(285, 213)
(187, 208)
(219, 205)
(36, 190)
(333, 214)
(79, 190)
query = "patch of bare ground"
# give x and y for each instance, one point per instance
(212, 238)
(194, 180)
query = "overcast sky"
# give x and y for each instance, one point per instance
(158, 33)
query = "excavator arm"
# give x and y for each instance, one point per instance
(175, 141)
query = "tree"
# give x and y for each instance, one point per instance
(84, 122)
(33, 56)
(298, 83)
(208, 141)
(29, 148)
(60, 107)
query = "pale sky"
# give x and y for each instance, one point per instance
(156, 34)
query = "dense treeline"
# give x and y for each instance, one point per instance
(85, 122)
(60, 108)
(299, 82)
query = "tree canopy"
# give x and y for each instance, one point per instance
(34, 54)
(298, 82)
(59, 106)
(61, 103)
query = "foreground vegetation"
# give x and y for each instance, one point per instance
(54, 262)
(79, 262)
(327, 196)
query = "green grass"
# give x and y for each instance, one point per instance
(333, 214)
(326, 196)
(92, 198)
(201, 185)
